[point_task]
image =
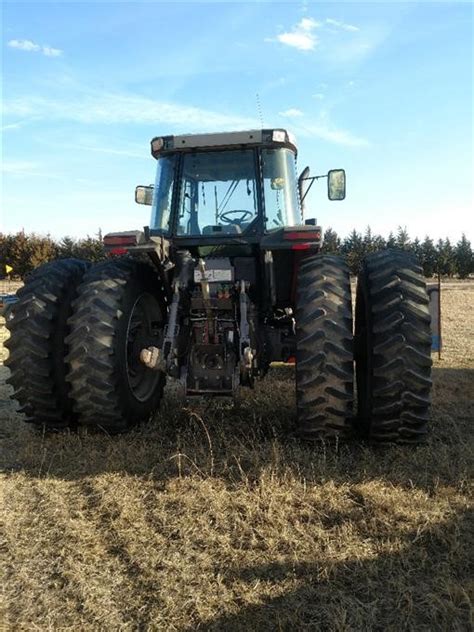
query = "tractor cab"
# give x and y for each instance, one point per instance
(226, 186)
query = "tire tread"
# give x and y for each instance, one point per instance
(324, 365)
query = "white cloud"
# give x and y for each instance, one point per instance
(342, 25)
(26, 45)
(319, 96)
(32, 47)
(16, 125)
(142, 152)
(323, 128)
(18, 166)
(308, 24)
(301, 36)
(25, 168)
(334, 135)
(108, 108)
(291, 113)
(51, 52)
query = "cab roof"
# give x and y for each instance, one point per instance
(223, 140)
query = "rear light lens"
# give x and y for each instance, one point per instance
(304, 234)
(120, 240)
(118, 252)
(301, 246)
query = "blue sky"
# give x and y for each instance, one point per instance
(383, 90)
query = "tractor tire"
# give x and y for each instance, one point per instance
(38, 325)
(392, 349)
(120, 309)
(324, 350)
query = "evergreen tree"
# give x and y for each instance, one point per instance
(429, 257)
(379, 243)
(391, 241)
(403, 240)
(41, 250)
(67, 248)
(368, 244)
(331, 242)
(464, 257)
(353, 249)
(90, 249)
(417, 249)
(6, 249)
(446, 257)
(20, 254)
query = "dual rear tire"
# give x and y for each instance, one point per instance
(392, 349)
(324, 353)
(76, 333)
(38, 325)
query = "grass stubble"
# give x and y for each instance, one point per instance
(215, 517)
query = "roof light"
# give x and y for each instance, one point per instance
(156, 145)
(279, 136)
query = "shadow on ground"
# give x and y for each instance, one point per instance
(408, 588)
(238, 441)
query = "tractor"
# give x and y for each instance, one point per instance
(227, 279)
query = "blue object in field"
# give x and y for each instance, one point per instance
(7, 299)
(435, 312)
(435, 342)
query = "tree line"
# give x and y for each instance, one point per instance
(23, 252)
(444, 257)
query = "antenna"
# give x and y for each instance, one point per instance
(259, 109)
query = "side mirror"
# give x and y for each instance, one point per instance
(336, 184)
(144, 195)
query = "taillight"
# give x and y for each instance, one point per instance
(301, 246)
(303, 234)
(122, 240)
(118, 252)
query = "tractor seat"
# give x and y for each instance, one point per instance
(227, 229)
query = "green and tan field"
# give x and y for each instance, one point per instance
(218, 518)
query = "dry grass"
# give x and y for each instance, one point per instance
(219, 519)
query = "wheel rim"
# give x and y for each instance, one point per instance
(143, 330)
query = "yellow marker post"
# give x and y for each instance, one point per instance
(8, 268)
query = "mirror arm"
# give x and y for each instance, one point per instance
(312, 179)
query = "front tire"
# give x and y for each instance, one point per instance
(120, 310)
(324, 354)
(393, 349)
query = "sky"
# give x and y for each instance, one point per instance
(381, 89)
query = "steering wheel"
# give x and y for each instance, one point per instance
(237, 220)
